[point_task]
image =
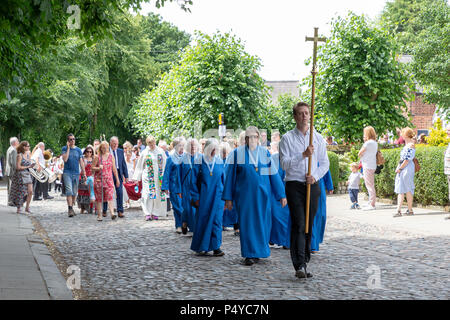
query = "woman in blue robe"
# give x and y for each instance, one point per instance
(318, 228)
(207, 189)
(190, 158)
(171, 181)
(230, 217)
(280, 233)
(250, 181)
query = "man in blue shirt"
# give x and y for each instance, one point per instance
(73, 160)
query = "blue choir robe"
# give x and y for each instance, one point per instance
(230, 217)
(186, 171)
(280, 233)
(250, 186)
(208, 190)
(171, 182)
(318, 228)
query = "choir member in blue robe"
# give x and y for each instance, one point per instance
(230, 217)
(250, 180)
(280, 233)
(190, 158)
(318, 228)
(207, 189)
(171, 181)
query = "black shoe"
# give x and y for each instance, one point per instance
(71, 213)
(48, 197)
(202, 253)
(248, 261)
(302, 273)
(218, 253)
(37, 199)
(271, 243)
(184, 229)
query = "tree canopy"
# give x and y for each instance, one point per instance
(89, 90)
(29, 28)
(422, 29)
(215, 75)
(360, 80)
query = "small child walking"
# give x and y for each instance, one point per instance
(353, 185)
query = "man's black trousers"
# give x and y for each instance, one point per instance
(296, 198)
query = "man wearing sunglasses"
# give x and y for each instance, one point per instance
(73, 160)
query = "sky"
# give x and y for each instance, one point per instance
(273, 30)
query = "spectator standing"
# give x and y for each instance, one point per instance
(21, 182)
(400, 139)
(353, 185)
(330, 141)
(368, 156)
(264, 143)
(11, 159)
(447, 163)
(404, 180)
(104, 167)
(73, 160)
(122, 171)
(140, 145)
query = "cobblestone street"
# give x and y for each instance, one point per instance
(133, 259)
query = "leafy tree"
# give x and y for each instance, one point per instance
(29, 27)
(431, 63)
(280, 114)
(214, 76)
(407, 20)
(87, 90)
(360, 81)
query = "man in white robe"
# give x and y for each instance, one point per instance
(150, 170)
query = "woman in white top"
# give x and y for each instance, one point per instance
(150, 170)
(368, 155)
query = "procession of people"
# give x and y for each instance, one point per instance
(260, 190)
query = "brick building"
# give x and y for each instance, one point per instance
(423, 114)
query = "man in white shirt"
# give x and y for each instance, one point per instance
(294, 152)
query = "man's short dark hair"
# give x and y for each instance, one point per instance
(70, 135)
(299, 104)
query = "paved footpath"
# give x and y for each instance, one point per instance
(365, 255)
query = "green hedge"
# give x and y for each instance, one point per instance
(334, 168)
(430, 181)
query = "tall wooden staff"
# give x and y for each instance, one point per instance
(311, 129)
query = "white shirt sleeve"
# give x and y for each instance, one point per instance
(287, 161)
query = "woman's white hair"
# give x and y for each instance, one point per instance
(210, 145)
(187, 146)
(224, 146)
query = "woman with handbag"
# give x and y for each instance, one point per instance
(404, 180)
(21, 182)
(368, 155)
(105, 173)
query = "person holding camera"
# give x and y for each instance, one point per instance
(73, 160)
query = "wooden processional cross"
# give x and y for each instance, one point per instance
(311, 129)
